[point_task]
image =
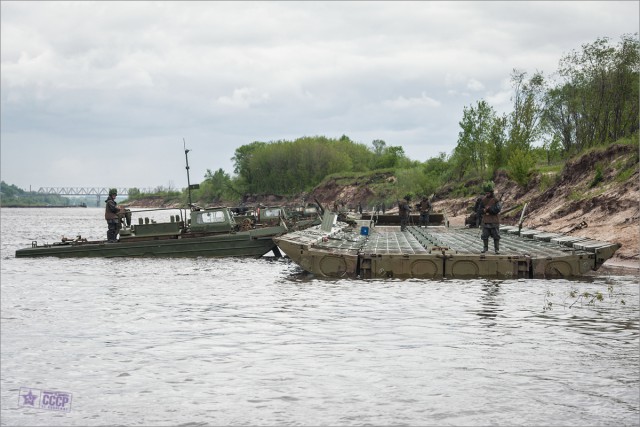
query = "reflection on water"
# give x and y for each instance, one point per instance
(490, 302)
(258, 342)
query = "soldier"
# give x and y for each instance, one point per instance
(425, 209)
(490, 219)
(111, 215)
(403, 211)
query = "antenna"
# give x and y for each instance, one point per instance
(186, 157)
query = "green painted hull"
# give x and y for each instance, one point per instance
(245, 244)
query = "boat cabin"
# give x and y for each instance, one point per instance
(211, 220)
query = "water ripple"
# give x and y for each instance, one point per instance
(258, 342)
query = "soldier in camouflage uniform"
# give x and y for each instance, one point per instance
(490, 220)
(425, 210)
(403, 211)
(111, 215)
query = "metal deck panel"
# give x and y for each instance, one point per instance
(468, 241)
(567, 240)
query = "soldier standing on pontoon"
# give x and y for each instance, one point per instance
(425, 209)
(490, 220)
(403, 211)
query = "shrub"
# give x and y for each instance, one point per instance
(520, 164)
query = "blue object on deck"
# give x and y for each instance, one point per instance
(364, 231)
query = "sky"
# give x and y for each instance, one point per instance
(107, 93)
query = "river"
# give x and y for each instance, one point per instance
(258, 342)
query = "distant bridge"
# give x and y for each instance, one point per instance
(87, 191)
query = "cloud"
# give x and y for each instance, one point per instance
(474, 85)
(128, 80)
(416, 102)
(243, 98)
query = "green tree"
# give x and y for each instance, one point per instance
(552, 149)
(13, 195)
(215, 187)
(391, 157)
(497, 144)
(559, 114)
(528, 106)
(597, 99)
(520, 164)
(472, 149)
(378, 147)
(242, 158)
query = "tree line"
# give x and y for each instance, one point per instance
(11, 195)
(591, 100)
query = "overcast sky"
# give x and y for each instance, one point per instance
(102, 94)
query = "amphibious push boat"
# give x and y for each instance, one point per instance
(212, 232)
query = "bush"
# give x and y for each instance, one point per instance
(520, 164)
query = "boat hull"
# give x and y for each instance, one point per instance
(231, 245)
(441, 252)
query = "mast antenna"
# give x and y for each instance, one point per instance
(186, 157)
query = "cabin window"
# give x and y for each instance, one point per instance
(211, 217)
(272, 213)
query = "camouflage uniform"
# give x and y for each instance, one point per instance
(425, 209)
(111, 215)
(403, 211)
(490, 223)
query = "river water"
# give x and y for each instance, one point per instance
(258, 342)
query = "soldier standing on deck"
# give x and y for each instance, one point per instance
(403, 211)
(490, 219)
(425, 209)
(111, 215)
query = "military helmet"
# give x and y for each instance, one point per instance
(113, 192)
(488, 187)
(407, 197)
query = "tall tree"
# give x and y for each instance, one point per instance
(378, 146)
(597, 98)
(242, 158)
(496, 149)
(215, 187)
(524, 123)
(471, 152)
